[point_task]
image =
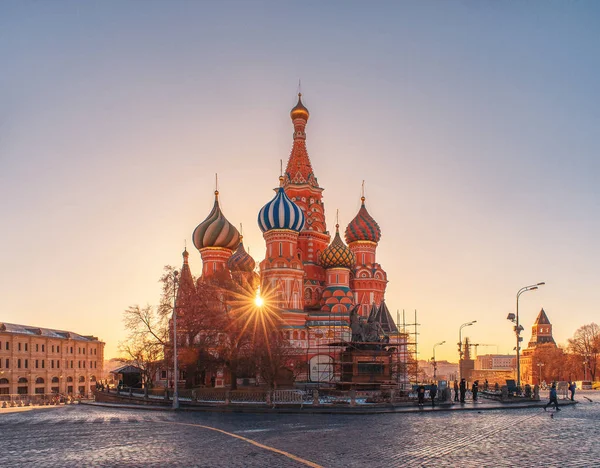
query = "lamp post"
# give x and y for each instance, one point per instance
(433, 359)
(175, 370)
(518, 328)
(540, 365)
(460, 352)
(585, 363)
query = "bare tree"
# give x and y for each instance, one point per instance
(586, 344)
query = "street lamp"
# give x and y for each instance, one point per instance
(433, 359)
(540, 365)
(468, 324)
(518, 328)
(175, 370)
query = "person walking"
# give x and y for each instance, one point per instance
(456, 390)
(553, 398)
(475, 389)
(463, 390)
(572, 387)
(433, 393)
(421, 394)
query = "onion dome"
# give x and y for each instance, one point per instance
(338, 255)
(363, 227)
(299, 111)
(215, 230)
(281, 213)
(241, 260)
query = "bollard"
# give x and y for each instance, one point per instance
(504, 396)
(536, 392)
(227, 397)
(166, 394)
(316, 397)
(352, 397)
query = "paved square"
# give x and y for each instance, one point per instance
(82, 435)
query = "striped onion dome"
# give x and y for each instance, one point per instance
(241, 260)
(215, 230)
(337, 254)
(363, 227)
(281, 213)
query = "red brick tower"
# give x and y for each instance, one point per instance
(282, 276)
(368, 278)
(302, 187)
(216, 239)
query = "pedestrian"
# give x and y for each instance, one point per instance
(463, 390)
(572, 388)
(553, 398)
(475, 389)
(432, 393)
(421, 394)
(456, 390)
(486, 385)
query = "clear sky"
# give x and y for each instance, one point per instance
(474, 124)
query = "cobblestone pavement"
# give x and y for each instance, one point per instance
(93, 436)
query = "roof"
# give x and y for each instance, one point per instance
(542, 318)
(126, 369)
(46, 332)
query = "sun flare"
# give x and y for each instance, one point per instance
(258, 301)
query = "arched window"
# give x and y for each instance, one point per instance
(303, 335)
(39, 380)
(4, 382)
(22, 380)
(69, 379)
(81, 378)
(92, 378)
(295, 335)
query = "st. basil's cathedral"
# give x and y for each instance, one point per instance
(315, 282)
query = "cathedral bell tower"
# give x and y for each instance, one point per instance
(302, 187)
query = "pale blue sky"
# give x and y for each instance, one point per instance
(475, 125)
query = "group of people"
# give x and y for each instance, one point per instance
(460, 390)
(432, 394)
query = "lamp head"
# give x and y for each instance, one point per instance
(511, 317)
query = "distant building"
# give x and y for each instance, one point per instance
(541, 334)
(36, 360)
(496, 362)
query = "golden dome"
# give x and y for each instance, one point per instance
(299, 111)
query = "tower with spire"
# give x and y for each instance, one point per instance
(541, 337)
(301, 186)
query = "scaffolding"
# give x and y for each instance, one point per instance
(333, 340)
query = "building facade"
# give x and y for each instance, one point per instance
(313, 280)
(36, 360)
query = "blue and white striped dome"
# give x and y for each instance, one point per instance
(281, 213)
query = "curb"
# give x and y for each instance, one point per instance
(324, 410)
